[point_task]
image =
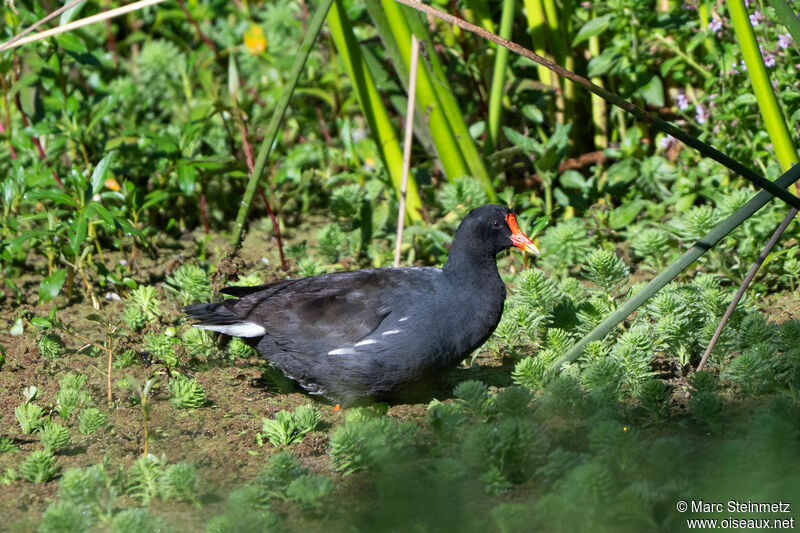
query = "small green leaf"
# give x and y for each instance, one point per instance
(652, 92)
(54, 196)
(594, 27)
(77, 233)
(41, 322)
(533, 113)
(603, 64)
(625, 214)
(94, 317)
(50, 286)
(68, 15)
(100, 171)
(538, 226)
(71, 43)
(572, 179)
(518, 139)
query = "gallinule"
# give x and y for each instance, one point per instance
(376, 332)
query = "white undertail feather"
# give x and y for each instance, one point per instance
(242, 329)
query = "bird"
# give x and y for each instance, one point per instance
(375, 333)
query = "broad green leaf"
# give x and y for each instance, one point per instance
(187, 179)
(596, 26)
(572, 179)
(71, 43)
(745, 99)
(652, 92)
(54, 196)
(602, 64)
(77, 233)
(533, 113)
(50, 286)
(518, 139)
(100, 171)
(538, 226)
(70, 14)
(625, 214)
(41, 322)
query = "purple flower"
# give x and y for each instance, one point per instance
(715, 25)
(666, 141)
(784, 40)
(700, 114)
(769, 60)
(756, 18)
(743, 65)
(683, 103)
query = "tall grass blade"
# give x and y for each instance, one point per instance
(757, 71)
(499, 80)
(314, 27)
(372, 107)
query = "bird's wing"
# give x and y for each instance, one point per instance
(320, 313)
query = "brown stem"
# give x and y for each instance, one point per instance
(194, 23)
(324, 127)
(111, 39)
(27, 123)
(108, 380)
(145, 422)
(203, 212)
(10, 146)
(745, 283)
(276, 227)
(248, 157)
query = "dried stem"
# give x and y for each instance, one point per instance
(248, 157)
(745, 283)
(38, 23)
(108, 374)
(412, 94)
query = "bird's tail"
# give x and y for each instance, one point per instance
(217, 317)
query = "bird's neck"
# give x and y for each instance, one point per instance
(472, 268)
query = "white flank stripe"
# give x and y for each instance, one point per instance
(341, 351)
(403, 319)
(242, 329)
(392, 332)
(366, 342)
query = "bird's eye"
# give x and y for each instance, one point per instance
(497, 224)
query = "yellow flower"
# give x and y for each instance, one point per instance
(254, 39)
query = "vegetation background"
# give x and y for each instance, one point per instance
(127, 146)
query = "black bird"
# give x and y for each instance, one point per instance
(374, 333)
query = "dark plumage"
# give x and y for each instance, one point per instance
(375, 332)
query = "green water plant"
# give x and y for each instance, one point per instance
(39, 467)
(54, 437)
(141, 307)
(368, 442)
(51, 346)
(186, 393)
(286, 427)
(30, 417)
(190, 283)
(90, 420)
